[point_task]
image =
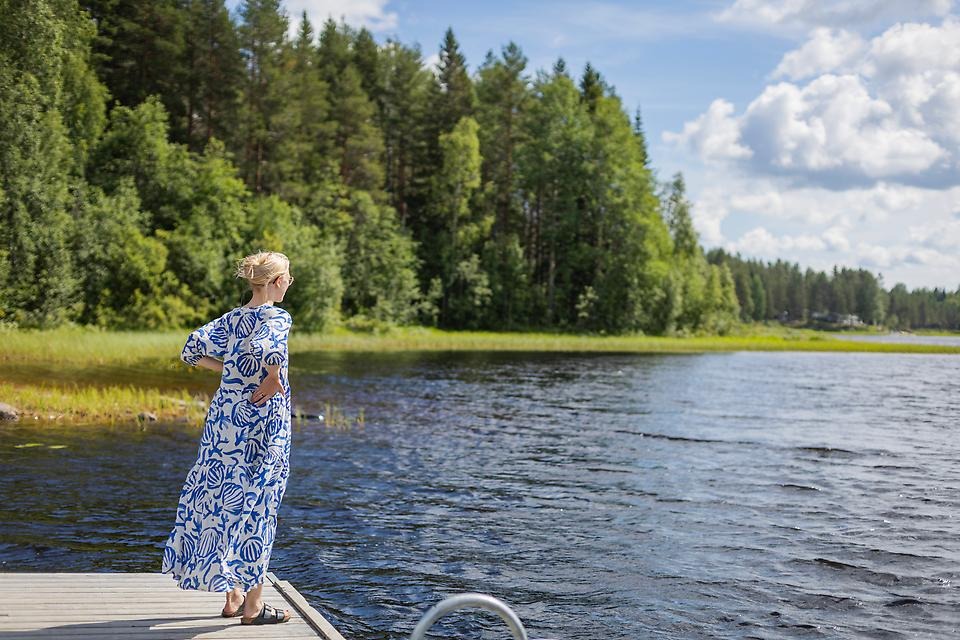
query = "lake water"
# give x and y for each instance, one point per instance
(906, 338)
(748, 495)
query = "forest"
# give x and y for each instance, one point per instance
(146, 146)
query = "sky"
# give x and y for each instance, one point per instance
(819, 132)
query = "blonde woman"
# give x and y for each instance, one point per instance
(227, 515)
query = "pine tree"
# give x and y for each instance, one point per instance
(304, 128)
(212, 74)
(403, 115)
(333, 51)
(504, 95)
(554, 166)
(641, 138)
(359, 144)
(366, 59)
(266, 52)
(139, 51)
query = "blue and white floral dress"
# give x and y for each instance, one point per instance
(227, 515)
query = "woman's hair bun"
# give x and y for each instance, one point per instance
(260, 268)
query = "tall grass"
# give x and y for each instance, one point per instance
(92, 347)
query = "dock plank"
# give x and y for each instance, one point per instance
(134, 606)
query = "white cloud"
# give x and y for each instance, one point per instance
(831, 13)
(714, 135)
(886, 257)
(432, 62)
(371, 14)
(942, 234)
(827, 50)
(761, 243)
(908, 233)
(850, 155)
(836, 238)
(886, 109)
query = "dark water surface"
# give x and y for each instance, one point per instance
(754, 495)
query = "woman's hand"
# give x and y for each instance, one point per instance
(268, 388)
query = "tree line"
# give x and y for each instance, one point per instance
(782, 291)
(146, 146)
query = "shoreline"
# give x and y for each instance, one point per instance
(83, 375)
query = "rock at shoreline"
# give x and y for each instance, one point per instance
(8, 413)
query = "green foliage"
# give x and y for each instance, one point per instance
(503, 96)
(379, 267)
(315, 261)
(403, 114)
(400, 193)
(210, 75)
(305, 133)
(51, 110)
(266, 55)
(124, 278)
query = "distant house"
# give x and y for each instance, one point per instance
(838, 319)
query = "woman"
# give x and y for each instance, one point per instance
(227, 514)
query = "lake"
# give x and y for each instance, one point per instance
(740, 495)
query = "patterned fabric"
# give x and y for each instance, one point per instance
(227, 514)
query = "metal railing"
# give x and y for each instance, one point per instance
(470, 600)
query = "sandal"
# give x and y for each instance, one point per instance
(268, 615)
(238, 612)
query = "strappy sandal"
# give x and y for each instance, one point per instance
(268, 615)
(238, 612)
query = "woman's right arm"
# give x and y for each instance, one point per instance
(208, 340)
(210, 363)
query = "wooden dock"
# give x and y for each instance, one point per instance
(139, 606)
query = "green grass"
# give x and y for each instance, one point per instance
(102, 405)
(91, 348)
(91, 375)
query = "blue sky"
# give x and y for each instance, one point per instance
(819, 132)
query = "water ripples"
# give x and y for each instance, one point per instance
(766, 495)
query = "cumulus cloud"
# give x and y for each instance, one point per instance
(886, 257)
(827, 50)
(836, 238)
(715, 135)
(884, 109)
(941, 234)
(909, 233)
(834, 13)
(760, 242)
(371, 14)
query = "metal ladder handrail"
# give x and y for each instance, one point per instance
(463, 601)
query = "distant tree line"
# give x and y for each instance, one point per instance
(146, 146)
(782, 291)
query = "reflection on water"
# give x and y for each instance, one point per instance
(769, 495)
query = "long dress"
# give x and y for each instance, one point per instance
(227, 515)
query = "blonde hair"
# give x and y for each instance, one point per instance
(260, 268)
